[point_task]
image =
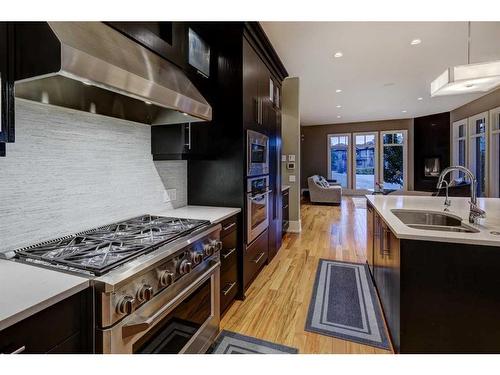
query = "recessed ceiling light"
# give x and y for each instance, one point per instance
(404, 111)
(338, 106)
(185, 114)
(420, 98)
(415, 42)
(338, 54)
(338, 90)
(339, 116)
(147, 102)
(87, 83)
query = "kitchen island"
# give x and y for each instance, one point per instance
(438, 288)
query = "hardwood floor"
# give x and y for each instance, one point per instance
(278, 300)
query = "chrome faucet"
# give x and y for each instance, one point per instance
(447, 202)
(475, 212)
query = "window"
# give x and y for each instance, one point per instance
(478, 150)
(365, 166)
(494, 179)
(393, 160)
(339, 156)
(459, 134)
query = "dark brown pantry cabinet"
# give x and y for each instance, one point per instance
(63, 328)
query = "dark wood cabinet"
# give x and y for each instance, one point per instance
(6, 85)
(386, 272)
(370, 235)
(180, 141)
(437, 297)
(167, 39)
(229, 263)
(255, 257)
(66, 327)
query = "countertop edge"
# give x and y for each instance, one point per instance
(411, 234)
(36, 308)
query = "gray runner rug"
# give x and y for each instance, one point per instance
(234, 343)
(344, 304)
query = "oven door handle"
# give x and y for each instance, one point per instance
(259, 196)
(139, 326)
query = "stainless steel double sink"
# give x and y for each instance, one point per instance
(430, 220)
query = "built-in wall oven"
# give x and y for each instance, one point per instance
(257, 206)
(257, 153)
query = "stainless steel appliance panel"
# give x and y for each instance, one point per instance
(257, 153)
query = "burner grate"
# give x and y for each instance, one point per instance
(101, 249)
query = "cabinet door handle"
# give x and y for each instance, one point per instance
(257, 260)
(386, 242)
(189, 136)
(285, 206)
(224, 256)
(228, 227)
(228, 288)
(18, 350)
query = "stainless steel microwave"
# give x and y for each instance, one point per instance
(257, 153)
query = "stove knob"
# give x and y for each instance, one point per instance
(217, 244)
(145, 293)
(166, 278)
(208, 249)
(126, 305)
(196, 257)
(185, 267)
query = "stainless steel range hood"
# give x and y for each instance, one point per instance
(91, 67)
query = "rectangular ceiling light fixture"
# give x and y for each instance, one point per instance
(466, 79)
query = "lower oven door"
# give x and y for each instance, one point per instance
(175, 321)
(258, 214)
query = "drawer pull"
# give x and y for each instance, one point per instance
(224, 256)
(228, 226)
(228, 288)
(285, 206)
(257, 260)
(18, 350)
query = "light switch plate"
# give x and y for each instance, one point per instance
(283, 157)
(291, 178)
(291, 157)
(169, 195)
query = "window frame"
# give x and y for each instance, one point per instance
(349, 156)
(471, 137)
(405, 155)
(353, 143)
(494, 164)
(455, 140)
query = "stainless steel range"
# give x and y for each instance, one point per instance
(156, 281)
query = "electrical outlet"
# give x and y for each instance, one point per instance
(169, 195)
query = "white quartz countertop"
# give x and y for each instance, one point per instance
(383, 204)
(26, 290)
(214, 214)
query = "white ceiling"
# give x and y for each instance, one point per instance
(380, 73)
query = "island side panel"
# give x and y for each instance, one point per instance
(450, 298)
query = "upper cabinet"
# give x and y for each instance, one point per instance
(256, 89)
(6, 85)
(167, 39)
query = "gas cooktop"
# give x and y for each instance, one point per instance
(99, 250)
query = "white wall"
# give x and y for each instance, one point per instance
(290, 133)
(69, 171)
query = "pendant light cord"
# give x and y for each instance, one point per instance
(468, 42)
